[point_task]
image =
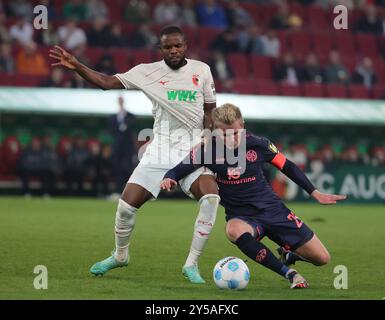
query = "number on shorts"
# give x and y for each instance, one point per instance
(292, 217)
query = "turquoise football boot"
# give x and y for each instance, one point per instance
(192, 273)
(101, 267)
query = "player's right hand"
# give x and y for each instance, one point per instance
(63, 58)
(168, 184)
(325, 198)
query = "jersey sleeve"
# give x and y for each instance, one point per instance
(132, 79)
(271, 154)
(209, 93)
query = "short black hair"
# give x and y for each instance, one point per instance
(170, 30)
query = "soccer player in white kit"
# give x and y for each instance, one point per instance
(183, 95)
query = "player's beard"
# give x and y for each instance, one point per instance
(180, 64)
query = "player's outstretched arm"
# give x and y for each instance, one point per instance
(325, 198)
(291, 170)
(67, 60)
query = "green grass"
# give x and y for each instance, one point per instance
(69, 235)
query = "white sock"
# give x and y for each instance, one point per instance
(124, 225)
(203, 225)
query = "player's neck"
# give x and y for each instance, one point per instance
(180, 65)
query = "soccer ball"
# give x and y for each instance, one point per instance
(231, 273)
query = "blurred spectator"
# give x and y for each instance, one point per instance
(74, 9)
(222, 71)
(137, 12)
(30, 61)
(326, 154)
(284, 19)
(106, 65)
(93, 163)
(51, 162)
(144, 37)
(365, 74)
(76, 166)
(228, 86)
(99, 165)
(212, 14)
(226, 42)
(76, 82)
(96, 9)
(22, 31)
(271, 44)
(306, 2)
(312, 70)
(370, 23)
(123, 147)
(351, 156)
(378, 156)
(335, 71)
(21, 8)
(238, 16)
(116, 38)
(220, 68)
(71, 36)
(287, 70)
(327, 4)
(256, 45)
(188, 14)
(47, 37)
(98, 34)
(7, 63)
(167, 12)
(4, 34)
(34, 164)
(80, 53)
(299, 155)
(50, 8)
(56, 80)
(104, 169)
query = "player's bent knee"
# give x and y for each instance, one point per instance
(322, 259)
(234, 230)
(325, 258)
(125, 218)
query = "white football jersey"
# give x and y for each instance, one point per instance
(177, 97)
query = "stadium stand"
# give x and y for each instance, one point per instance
(311, 35)
(253, 74)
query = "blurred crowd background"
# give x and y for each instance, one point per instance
(259, 47)
(286, 47)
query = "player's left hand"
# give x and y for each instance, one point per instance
(325, 198)
(168, 184)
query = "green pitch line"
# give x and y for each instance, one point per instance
(69, 235)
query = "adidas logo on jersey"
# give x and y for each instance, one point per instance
(182, 95)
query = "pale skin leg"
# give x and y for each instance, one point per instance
(313, 250)
(236, 227)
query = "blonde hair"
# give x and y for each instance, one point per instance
(226, 114)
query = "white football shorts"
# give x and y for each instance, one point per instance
(151, 169)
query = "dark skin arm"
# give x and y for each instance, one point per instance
(207, 120)
(101, 80)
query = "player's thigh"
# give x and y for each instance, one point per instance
(314, 251)
(204, 184)
(236, 227)
(135, 195)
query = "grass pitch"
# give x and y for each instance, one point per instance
(69, 235)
